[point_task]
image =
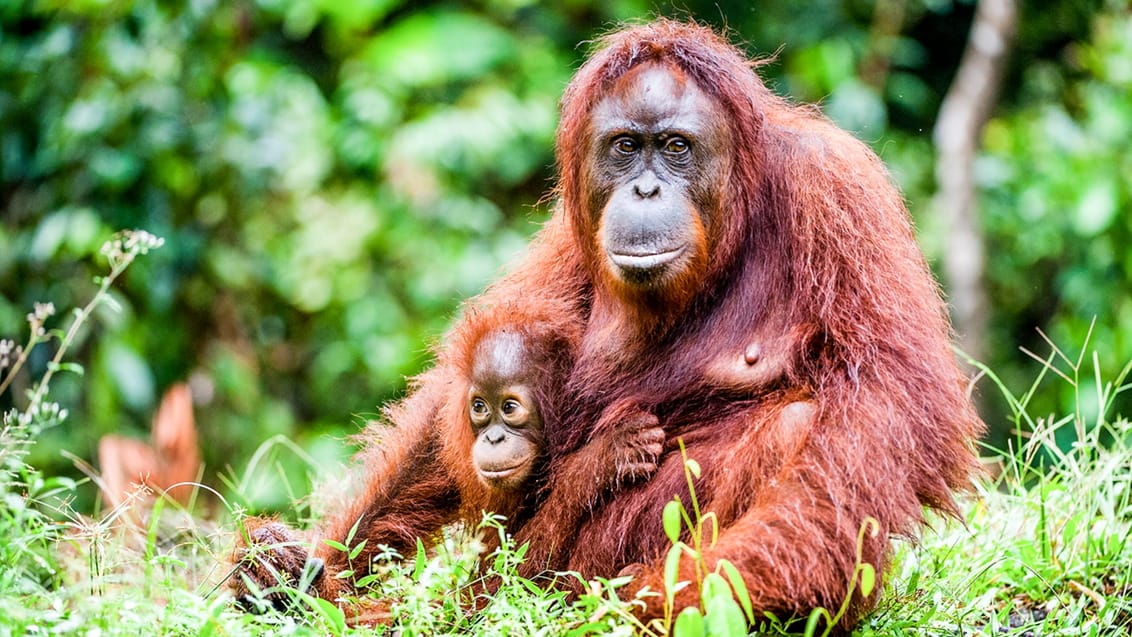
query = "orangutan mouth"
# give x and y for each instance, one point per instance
(645, 261)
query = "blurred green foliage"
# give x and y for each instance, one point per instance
(1057, 207)
(333, 176)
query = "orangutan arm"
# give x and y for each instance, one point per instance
(625, 449)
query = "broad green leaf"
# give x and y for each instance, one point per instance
(714, 586)
(671, 519)
(723, 618)
(532, 588)
(857, 107)
(868, 579)
(913, 583)
(131, 373)
(689, 623)
(216, 608)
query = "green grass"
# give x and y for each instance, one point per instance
(1045, 548)
(1047, 545)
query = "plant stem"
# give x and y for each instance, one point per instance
(73, 330)
(33, 340)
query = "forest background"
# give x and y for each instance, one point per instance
(332, 177)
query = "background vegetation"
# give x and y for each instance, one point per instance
(333, 177)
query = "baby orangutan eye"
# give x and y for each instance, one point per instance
(479, 407)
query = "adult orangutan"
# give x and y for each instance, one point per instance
(703, 224)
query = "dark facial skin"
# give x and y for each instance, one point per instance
(658, 149)
(503, 413)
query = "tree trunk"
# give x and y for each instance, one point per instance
(958, 130)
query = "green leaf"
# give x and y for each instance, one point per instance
(353, 531)
(868, 579)
(357, 549)
(337, 546)
(532, 588)
(857, 107)
(913, 583)
(109, 301)
(689, 623)
(170, 561)
(330, 614)
(151, 536)
(693, 466)
(740, 588)
(672, 569)
(618, 582)
(723, 618)
(714, 586)
(671, 518)
(419, 562)
(74, 368)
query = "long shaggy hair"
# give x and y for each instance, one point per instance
(815, 237)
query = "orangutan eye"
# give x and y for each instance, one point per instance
(677, 146)
(510, 406)
(625, 145)
(479, 407)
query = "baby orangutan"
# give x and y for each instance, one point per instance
(513, 397)
(491, 441)
(503, 414)
(504, 410)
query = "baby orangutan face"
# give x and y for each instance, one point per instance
(503, 413)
